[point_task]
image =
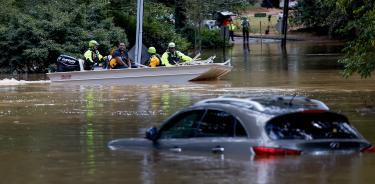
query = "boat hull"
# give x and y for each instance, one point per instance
(159, 75)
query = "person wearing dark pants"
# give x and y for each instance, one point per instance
(231, 28)
(245, 29)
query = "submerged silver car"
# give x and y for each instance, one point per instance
(277, 125)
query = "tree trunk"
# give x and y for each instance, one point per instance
(180, 14)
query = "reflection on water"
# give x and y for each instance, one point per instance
(58, 133)
(161, 167)
(89, 131)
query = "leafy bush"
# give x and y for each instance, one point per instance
(33, 37)
(211, 38)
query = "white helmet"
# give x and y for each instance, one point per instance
(171, 45)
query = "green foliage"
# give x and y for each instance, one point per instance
(158, 29)
(199, 10)
(322, 16)
(360, 52)
(353, 20)
(211, 38)
(33, 37)
(159, 34)
(34, 32)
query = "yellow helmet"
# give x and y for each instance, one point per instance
(93, 43)
(171, 45)
(152, 50)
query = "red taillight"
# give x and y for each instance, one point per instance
(274, 151)
(314, 111)
(370, 149)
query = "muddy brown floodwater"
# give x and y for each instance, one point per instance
(58, 133)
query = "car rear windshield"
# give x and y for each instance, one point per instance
(309, 126)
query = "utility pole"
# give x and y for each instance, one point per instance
(139, 31)
(284, 29)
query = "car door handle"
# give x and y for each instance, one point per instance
(175, 149)
(217, 149)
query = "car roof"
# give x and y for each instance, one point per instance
(272, 105)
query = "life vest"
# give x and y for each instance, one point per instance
(173, 58)
(114, 63)
(154, 61)
(231, 27)
(93, 56)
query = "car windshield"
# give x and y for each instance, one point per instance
(309, 126)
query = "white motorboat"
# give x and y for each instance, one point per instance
(196, 70)
(192, 71)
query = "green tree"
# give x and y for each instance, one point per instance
(36, 32)
(321, 16)
(352, 20)
(158, 24)
(360, 51)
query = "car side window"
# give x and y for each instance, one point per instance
(182, 125)
(217, 123)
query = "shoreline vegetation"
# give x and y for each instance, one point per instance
(34, 33)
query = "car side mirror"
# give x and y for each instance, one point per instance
(151, 133)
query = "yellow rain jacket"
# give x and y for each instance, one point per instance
(169, 59)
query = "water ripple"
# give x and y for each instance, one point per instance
(14, 82)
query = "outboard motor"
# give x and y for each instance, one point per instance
(67, 63)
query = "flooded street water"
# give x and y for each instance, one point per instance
(52, 133)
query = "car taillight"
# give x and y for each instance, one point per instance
(370, 149)
(274, 151)
(313, 111)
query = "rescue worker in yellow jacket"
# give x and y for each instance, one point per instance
(172, 56)
(92, 56)
(231, 28)
(155, 59)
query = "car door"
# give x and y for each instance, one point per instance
(178, 131)
(220, 132)
(208, 131)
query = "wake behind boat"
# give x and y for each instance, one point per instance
(197, 70)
